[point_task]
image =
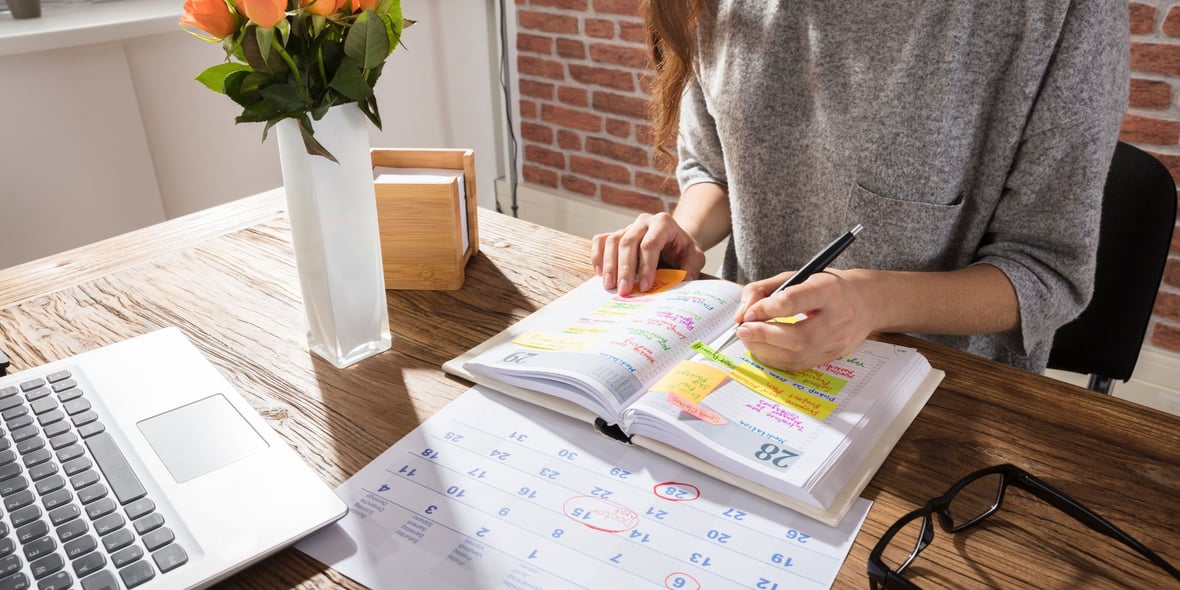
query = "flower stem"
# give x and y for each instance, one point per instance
(274, 43)
(320, 63)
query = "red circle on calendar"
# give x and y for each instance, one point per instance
(681, 581)
(675, 491)
(600, 514)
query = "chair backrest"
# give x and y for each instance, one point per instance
(1138, 216)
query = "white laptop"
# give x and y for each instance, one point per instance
(204, 486)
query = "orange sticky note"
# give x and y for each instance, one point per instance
(666, 278)
(690, 380)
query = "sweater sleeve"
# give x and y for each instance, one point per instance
(701, 158)
(1044, 232)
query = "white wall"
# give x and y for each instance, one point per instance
(103, 136)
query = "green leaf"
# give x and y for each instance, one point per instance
(257, 112)
(369, 108)
(309, 141)
(284, 29)
(264, 36)
(374, 75)
(395, 23)
(321, 109)
(284, 97)
(272, 63)
(214, 78)
(233, 88)
(368, 40)
(350, 80)
(254, 81)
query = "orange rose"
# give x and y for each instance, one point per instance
(359, 5)
(264, 13)
(211, 16)
(321, 7)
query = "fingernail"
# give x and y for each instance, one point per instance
(743, 332)
(608, 280)
(624, 286)
(598, 269)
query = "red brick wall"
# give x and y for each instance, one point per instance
(583, 107)
(1153, 123)
(584, 131)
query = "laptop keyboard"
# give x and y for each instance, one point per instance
(74, 512)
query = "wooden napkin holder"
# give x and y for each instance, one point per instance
(421, 225)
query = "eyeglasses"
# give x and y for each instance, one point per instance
(967, 503)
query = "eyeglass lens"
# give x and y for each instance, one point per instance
(976, 500)
(905, 545)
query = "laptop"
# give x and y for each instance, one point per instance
(137, 465)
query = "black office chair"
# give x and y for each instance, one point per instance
(1138, 215)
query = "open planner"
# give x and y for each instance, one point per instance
(641, 368)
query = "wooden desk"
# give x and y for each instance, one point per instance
(226, 277)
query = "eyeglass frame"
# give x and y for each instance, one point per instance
(882, 576)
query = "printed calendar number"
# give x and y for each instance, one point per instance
(734, 513)
(681, 581)
(676, 491)
(783, 560)
(519, 357)
(775, 455)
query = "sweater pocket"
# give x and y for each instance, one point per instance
(905, 234)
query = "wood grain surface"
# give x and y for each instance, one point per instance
(226, 277)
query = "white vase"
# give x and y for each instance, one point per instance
(336, 237)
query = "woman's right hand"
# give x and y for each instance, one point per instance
(627, 259)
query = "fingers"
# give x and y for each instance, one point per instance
(627, 259)
(818, 291)
(834, 326)
(757, 291)
(792, 347)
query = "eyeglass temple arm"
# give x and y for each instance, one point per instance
(1071, 507)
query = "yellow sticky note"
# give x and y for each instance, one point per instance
(788, 319)
(783, 393)
(584, 330)
(666, 278)
(819, 381)
(690, 380)
(695, 410)
(552, 341)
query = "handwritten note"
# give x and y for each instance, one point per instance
(491, 492)
(690, 380)
(790, 393)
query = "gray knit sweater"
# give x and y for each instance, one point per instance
(957, 131)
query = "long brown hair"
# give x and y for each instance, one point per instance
(671, 43)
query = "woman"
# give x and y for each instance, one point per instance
(971, 139)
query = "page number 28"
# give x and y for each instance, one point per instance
(775, 455)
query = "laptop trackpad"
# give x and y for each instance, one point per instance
(200, 437)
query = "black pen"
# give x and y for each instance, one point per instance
(816, 264)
